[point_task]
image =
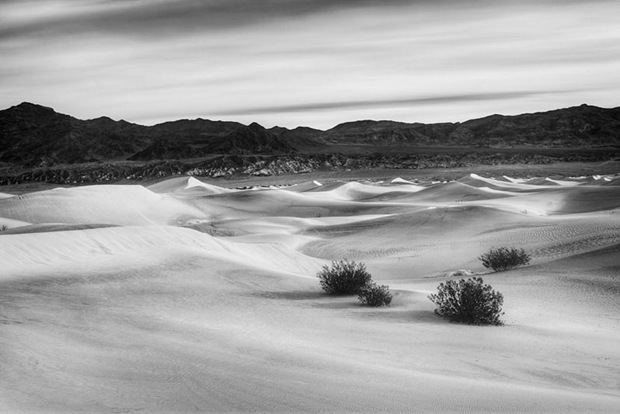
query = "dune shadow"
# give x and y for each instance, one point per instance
(292, 294)
(319, 299)
(404, 316)
(314, 298)
(344, 302)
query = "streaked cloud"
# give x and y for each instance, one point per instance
(157, 17)
(429, 100)
(317, 63)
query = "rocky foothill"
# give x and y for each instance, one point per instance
(239, 165)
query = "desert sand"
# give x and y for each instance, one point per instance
(189, 297)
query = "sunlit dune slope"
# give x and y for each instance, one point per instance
(453, 192)
(360, 191)
(110, 204)
(38, 252)
(189, 185)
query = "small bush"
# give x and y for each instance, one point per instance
(460, 272)
(504, 258)
(344, 277)
(468, 301)
(375, 295)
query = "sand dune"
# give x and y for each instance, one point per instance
(188, 297)
(284, 203)
(188, 185)
(307, 186)
(51, 227)
(98, 247)
(10, 223)
(532, 185)
(457, 192)
(357, 191)
(121, 205)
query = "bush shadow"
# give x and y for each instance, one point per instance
(314, 298)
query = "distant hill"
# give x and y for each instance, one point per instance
(583, 126)
(201, 138)
(34, 135)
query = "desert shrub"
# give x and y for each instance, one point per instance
(375, 295)
(3, 227)
(460, 272)
(504, 258)
(344, 277)
(468, 301)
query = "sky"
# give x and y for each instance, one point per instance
(313, 63)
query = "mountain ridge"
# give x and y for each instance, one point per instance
(36, 135)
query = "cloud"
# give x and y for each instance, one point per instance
(429, 100)
(155, 17)
(307, 61)
(176, 17)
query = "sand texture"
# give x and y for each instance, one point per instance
(188, 297)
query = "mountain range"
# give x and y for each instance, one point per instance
(33, 135)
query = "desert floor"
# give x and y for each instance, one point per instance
(184, 296)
